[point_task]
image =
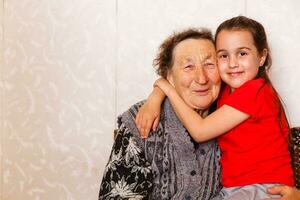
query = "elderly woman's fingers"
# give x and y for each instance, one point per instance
(279, 189)
(286, 192)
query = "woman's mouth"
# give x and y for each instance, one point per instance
(201, 92)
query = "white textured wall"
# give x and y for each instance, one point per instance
(282, 22)
(59, 97)
(69, 67)
(1, 98)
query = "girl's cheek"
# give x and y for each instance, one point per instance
(221, 65)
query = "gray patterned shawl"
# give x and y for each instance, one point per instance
(169, 162)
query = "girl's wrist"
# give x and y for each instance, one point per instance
(171, 92)
(156, 96)
(163, 85)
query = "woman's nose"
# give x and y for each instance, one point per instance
(201, 76)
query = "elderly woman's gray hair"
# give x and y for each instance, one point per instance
(164, 59)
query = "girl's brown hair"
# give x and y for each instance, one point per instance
(260, 41)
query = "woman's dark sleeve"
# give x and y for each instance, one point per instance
(127, 174)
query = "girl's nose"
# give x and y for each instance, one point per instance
(233, 63)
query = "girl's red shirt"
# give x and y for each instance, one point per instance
(255, 151)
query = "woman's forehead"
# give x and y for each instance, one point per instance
(194, 49)
(197, 58)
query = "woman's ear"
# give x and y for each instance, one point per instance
(263, 57)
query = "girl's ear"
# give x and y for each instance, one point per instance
(263, 57)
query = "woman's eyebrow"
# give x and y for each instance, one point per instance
(185, 60)
(208, 56)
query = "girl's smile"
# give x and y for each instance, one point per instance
(235, 74)
(238, 58)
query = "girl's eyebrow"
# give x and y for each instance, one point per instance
(220, 50)
(239, 48)
(247, 48)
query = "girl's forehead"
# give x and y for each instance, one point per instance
(239, 34)
(234, 39)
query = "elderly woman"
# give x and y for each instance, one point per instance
(169, 164)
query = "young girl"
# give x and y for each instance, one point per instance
(250, 122)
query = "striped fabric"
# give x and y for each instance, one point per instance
(295, 153)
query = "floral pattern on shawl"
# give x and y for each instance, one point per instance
(127, 175)
(167, 165)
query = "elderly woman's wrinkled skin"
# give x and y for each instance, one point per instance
(194, 73)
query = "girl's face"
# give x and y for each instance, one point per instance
(238, 58)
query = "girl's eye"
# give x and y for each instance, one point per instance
(223, 56)
(243, 53)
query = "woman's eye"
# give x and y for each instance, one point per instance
(210, 65)
(188, 66)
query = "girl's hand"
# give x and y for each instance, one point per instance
(149, 114)
(147, 118)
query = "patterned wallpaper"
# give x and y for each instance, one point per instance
(68, 68)
(59, 97)
(1, 98)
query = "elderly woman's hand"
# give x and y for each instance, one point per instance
(287, 193)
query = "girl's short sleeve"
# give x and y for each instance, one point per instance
(245, 98)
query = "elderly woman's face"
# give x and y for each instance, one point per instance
(194, 73)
